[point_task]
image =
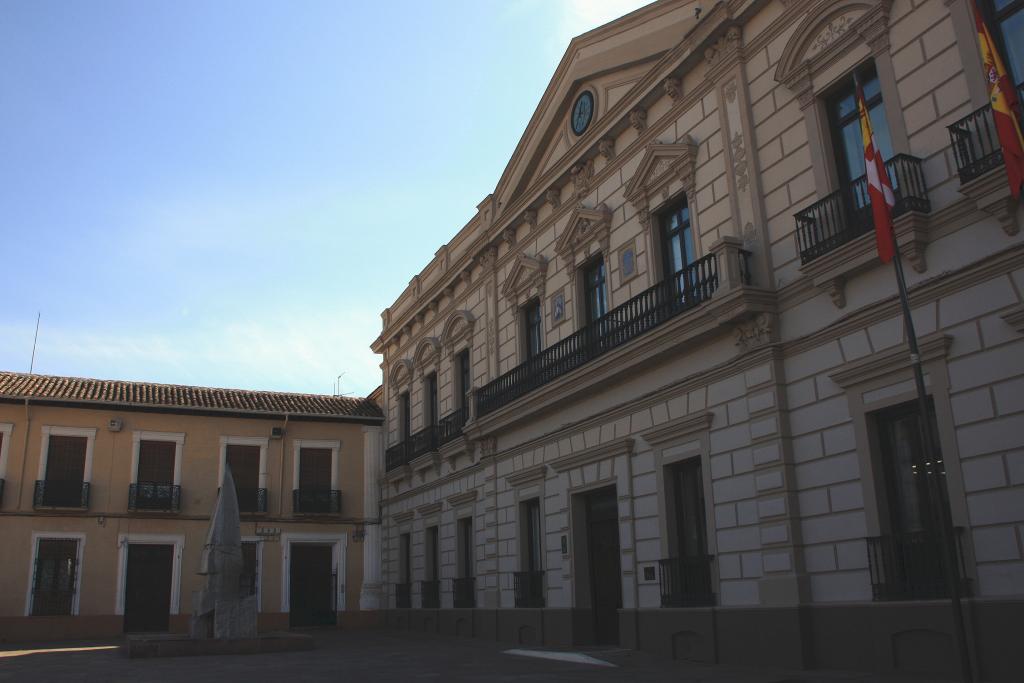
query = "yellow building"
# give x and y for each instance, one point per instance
(107, 488)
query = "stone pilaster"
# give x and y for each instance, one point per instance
(371, 596)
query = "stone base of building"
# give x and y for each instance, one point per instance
(175, 645)
(107, 626)
(904, 637)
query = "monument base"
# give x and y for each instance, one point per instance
(175, 645)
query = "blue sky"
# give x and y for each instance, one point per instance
(228, 193)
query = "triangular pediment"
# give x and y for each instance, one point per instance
(611, 61)
(526, 271)
(661, 164)
(584, 227)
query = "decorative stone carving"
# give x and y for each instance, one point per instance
(725, 46)
(553, 197)
(427, 352)
(530, 218)
(487, 446)
(487, 257)
(526, 279)
(739, 162)
(837, 290)
(582, 175)
(508, 236)
(673, 87)
(758, 331)
(466, 276)
(730, 91)
(749, 236)
(662, 163)
(458, 327)
(606, 147)
(400, 374)
(586, 227)
(638, 119)
(830, 33)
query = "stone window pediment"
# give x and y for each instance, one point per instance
(401, 373)
(662, 164)
(457, 328)
(526, 280)
(587, 232)
(427, 353)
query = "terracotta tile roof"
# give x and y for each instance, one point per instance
(17, 385)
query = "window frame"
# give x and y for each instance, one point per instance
(126, 539)
(6, 429)
(431, 405)
(404, 416)
(299, 444)
(531, 328)
(664, 239)
(464, 371)
(465, 555)
(258, 542)
(598, 262)
(995, 18)
(50, 430)
(529, 544)
(178, 438)
(79, 564)
(841, 89)
(262, 442)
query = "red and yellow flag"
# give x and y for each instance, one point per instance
(879, 188)
(1005, 108)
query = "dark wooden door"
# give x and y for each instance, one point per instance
(311, 584)
(605, 564)
(147, 587)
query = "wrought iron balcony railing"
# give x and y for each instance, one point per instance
(403, 595)
(252, 500)
(686, 581)
(450, 426)
(155, 496)
(845, 214)
(316, 501)
(426, 440)
(465, 591)
(52, 602)
(685, 290)
(975, 142)
(55, 493)
(430, 594)
(911, 566)
(529, 588)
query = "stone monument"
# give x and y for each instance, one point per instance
(220, 610)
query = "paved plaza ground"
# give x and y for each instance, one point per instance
(381, 656)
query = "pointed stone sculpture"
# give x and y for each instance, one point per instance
(220, 610)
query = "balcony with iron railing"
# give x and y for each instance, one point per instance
(154, 496)
(309, 501)
(529, 588)
(911, 566)
(684, 291)
(427, 440)
(845, 215)
(55, 493)
(252, 501)
(430, 594)
(686, 581)
(403, 595)
(464, 590)
(975, 142)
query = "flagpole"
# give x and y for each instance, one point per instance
(936, 492)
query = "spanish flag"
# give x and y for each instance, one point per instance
(879, 188)
(1005, 108)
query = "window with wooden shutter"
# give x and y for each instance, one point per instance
(244, 462)
(65, 459)
(315, 468)
(156, 462)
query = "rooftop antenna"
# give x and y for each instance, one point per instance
(337, 386)
(32, 363)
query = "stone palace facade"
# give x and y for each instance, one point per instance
(657, 391)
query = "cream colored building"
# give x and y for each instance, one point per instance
(657, 391)
(108, 486)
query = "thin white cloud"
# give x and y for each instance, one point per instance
(286, 353)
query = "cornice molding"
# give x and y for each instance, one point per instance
(527, 476)
(429, 508)
(1014, 317)
(675, 430)
(593, 454)
(462, 498)
(932, 347)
